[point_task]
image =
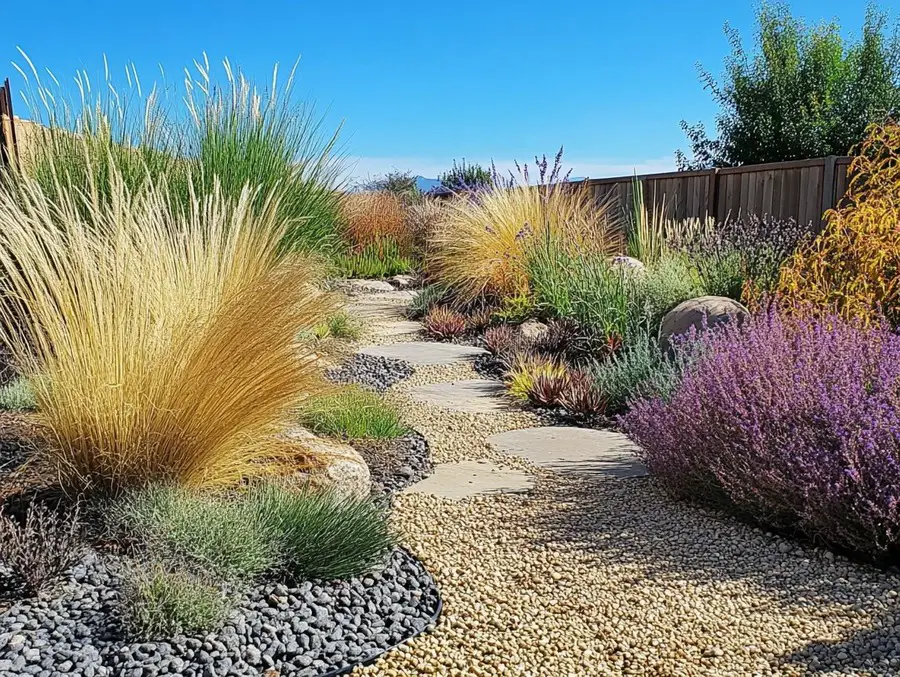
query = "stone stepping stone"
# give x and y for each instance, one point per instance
(375, 310)
(399, 328)
(478, 396)
(471, 478)
(573, 451)
(367, 286)
(397, 296)
(425, 353)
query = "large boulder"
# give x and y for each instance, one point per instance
(333, 465)
(691, 313)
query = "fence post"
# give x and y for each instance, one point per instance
(712, 198)
(828, 201)
(9, 153)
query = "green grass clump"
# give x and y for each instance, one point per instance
(160, 603)
(218, 533)
(375, 261)
(230, 134)
(352, 413)
(17, 395)
(340, 326)
(323, 535)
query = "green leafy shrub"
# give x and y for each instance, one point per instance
(41, 547)
(218, 533)
(161, 603)
(352, 413)
(515, 308)
(323, 535)
(17, 395)
(660, 288)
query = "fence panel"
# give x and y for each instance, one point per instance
(799, 189)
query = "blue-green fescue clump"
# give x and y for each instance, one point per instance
(218, 533)
(340, 325)
(17, 395)
(323, 534)
(159, 602)
(427, 298)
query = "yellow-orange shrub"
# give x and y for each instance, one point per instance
(853, 266)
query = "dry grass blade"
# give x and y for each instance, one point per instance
(161, 345)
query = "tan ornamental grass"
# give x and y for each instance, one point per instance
(373, 217)
(161, 344)
(481, 245)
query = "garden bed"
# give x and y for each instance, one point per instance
(312, 628)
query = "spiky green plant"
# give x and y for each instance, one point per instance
(352, 413)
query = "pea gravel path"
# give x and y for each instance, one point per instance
(595, 575)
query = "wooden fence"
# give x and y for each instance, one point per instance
(8, 149)
(799, 189)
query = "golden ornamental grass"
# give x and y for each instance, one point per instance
(372, 217)
(161, 344)
(481, 245)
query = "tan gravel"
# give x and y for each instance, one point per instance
(604, 576)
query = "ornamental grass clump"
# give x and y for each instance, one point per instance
(794, 422)
(160, 344)
(375, 216)
(444, 323)
(853, 266)
(480, 247)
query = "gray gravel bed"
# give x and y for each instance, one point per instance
(377, 373)
(303, 630)
(399, 463)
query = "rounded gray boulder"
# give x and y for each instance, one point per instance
(716, 310)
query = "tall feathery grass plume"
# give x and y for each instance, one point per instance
(215, 130)
(160, 342)
(480, 246)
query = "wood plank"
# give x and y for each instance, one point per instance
(746, 180)
(767, 193)
(777, 191)
(814, 197)
(802, 213)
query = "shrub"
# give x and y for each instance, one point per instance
(853, 266)
(230, 136)
(639, 369)
(382, 259)
(660, 288)
(444, 323)
(340, 326)
(219, 534)
(17, 395)
(41, 547)
(481, 246)
(427, 298)
(352, 413)
(795, 422)
(742, 259)
(466, 177)
(525, 371)
(371, 218)
(160, 344)
(323, 535)
(401, 184)
(161, 603)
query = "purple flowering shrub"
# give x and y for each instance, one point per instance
(794, 422)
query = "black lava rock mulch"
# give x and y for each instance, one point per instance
(311, 629)
(377, 373)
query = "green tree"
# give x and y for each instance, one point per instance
(465, 177)
(804, 93)
(401, 184)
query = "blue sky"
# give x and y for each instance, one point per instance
(418, 84)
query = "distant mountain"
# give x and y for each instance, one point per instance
(426, 184)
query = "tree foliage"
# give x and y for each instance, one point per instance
(463, 177)
(805, 91)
